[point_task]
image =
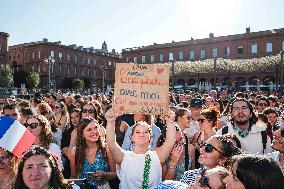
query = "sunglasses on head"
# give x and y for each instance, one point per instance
(209, 148)
(204, 180)
(32, 125)
(91, 111)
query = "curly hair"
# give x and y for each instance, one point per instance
(56, 179)
(211, 115)
(81, 145)
(46, 136)
(230, 146)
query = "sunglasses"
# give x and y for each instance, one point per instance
(91, 111)
(204, 180)
(201, 120)
(209, 148)
(32, 125)
(263, 104)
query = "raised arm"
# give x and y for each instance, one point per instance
(115, 150)
(164, 151)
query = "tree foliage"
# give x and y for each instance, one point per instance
(20, 77)
(87, 83)
(33, 80)
(6, 77)
(78, 84)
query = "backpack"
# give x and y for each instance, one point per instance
(225, 130)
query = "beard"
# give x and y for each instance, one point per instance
(242, 122)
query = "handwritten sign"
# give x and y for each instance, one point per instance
(142, 88)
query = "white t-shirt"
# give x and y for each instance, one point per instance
(131, 170)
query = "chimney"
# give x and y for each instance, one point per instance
(45, 40)
(113, 51)
(211, 35)
(248, 30)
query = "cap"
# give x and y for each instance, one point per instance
(196, 102)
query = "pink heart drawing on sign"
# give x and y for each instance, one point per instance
(160, 70)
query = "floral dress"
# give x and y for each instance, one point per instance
(100, 164)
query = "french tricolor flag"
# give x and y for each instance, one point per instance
(15, 137)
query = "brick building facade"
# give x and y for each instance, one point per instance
(239, 46)
(70, 61)
(3, 47)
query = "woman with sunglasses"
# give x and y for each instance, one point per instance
(180, 159)
(278, 147)
(61, 115)
(39, 170)
(141, 167)
(8, 169)
(207, 123)
(39, 126)
(217, 150)
(212, 178)
(91, 158)
(254, 171)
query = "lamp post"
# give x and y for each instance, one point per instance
(102, 67)
(49, 61)
(281, 74)
(173, 73)
(214, 83)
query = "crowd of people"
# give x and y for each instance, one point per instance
(210, 139)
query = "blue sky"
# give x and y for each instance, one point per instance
(133, 23)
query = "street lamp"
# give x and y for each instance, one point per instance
(50, 62)
(281, 74)
(102, 67)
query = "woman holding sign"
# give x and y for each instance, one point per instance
(140, 168)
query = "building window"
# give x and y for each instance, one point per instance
(135, 59)
(282, 45)
(89, 60)
(38, 68)
(227, 51)
(180, 55)
(143, 59)
(75, 58)
(52, 54)
(152, 58)
(94, 73)
(68, 57)
(75, 71)
(82, 71)
(171, 56)
(60, 68)
(214, 52)
(88, 72)
(33, 68)
(269, 47)
(161, 57)
(60, 55)
(240, 50)
(33, 55)
(52, 68)
(202, 54)
(191, 55)
(95, 61)
(38, 53)
(254, 48)
(68, 70)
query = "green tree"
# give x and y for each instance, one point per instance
(87, 83)
(78, 84)
(67, 83)
(6, 77)
(20, 77)
(33, 80)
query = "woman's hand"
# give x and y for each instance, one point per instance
(170, 118)
(98, 175)
(111, 116)
(175, 155)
